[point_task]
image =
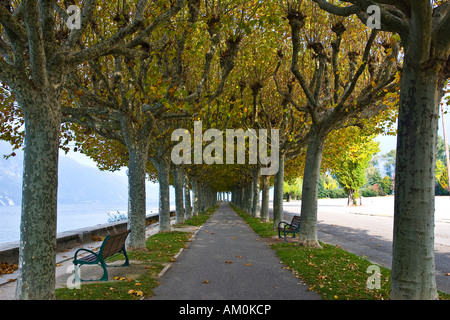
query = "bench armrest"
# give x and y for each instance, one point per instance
(285, 224)
(83, 249)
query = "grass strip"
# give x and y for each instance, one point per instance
(332, 272)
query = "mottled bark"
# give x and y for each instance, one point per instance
(187, 197)
(265, 199)
(136, 197)
(256, 190)
(413, 264)
(37, 249)
(195, 194)
(178, 184)
(278, 193)
(308, 216)
(163, 167)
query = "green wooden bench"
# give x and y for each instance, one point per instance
(293, 227)
(112, 245)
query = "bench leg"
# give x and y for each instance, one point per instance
(79, 279)
(127, 262)
(105, 272)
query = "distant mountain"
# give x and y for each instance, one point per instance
(78, 183)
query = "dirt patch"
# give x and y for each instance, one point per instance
(273, 240)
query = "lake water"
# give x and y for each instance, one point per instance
(70, 217)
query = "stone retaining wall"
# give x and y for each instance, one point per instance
(9, 252)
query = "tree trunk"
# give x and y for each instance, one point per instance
(195, 195)
(350, 199)
(256, 189)
(265, 199)
(37, 250)
(163, 167)
(413, 269)
(178, 183)
(187, 197)
(310, 190)
(278, 193)
(136, 197)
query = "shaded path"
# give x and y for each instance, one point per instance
(227, 260)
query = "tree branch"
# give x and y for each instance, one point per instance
(35, 42)
(86, 16)
(441, 27)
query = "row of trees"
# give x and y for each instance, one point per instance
(133, 72)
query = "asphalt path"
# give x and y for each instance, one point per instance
(226, 260)
(367, 230)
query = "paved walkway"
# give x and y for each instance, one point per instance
(228, 260)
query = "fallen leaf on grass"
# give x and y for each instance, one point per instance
(137, 293)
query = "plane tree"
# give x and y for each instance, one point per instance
(423, 28)
(349, 82)
(123, 94)
(37, 52)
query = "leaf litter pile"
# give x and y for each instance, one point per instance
(6, 268)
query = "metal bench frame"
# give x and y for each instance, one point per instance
(112, 245)
(293, 227)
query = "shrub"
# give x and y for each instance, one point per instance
(368, 192)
